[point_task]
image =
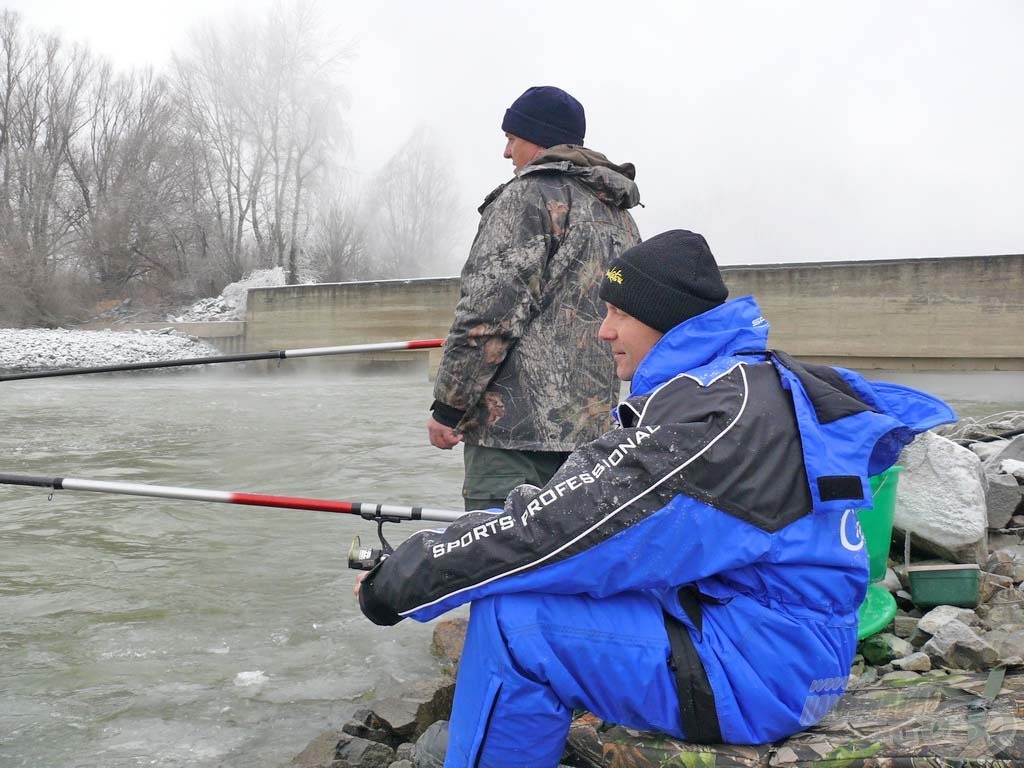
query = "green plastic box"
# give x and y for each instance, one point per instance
(952, 584)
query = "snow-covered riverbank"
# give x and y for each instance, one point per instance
(43, 349)
(40, 349)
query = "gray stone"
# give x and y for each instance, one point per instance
(1002, 499)
(918, 637)
(941, 499)
(956, 645)
(915, 662)
(865, 678)
(991, 585)
(987, 450)
(363, 753)
(408, 713)
(891, 581)
(901, 674)
(1005, 608)
(934, 620)
(319, 753)
(1013, 450)
(405, 751)
(1008, 641)
(904, 626)
(448, 638)
(366, 724)
(1008, 561)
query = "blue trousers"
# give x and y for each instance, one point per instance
(530, 659)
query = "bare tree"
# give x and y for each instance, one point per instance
(114, 185)
(414, 210)
(264, 102)
(214, 86)
(128, 170)
(338, 242)
(42, 107)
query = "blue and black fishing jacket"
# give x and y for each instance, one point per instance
(729, 492)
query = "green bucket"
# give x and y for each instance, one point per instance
(876, 521)
(879, 607)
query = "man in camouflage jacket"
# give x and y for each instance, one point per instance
(523, 379)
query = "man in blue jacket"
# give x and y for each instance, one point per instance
(696, 571)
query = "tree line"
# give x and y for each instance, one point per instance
(165, 187)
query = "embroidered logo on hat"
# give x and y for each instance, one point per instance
(614, 275)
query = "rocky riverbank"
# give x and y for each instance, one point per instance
(940, 683)
(45, 349)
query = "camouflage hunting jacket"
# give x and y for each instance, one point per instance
(522, 366)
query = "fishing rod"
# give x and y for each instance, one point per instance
(280, 354)
(359, 557)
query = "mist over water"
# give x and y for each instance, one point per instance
(153, 632)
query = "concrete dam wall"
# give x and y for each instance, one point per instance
(957, 313)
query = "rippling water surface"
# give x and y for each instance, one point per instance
(150, 632)
(141, 631)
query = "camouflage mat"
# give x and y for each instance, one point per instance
(971, 720)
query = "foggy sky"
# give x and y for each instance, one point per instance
(783, 131)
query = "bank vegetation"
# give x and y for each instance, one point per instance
(166, 186)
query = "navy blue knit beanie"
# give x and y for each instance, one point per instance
(546, 116)
(665, 280)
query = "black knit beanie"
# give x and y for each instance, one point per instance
(665, 280)
(546, 116)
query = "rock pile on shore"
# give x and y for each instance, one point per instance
(44, 349)
(935, 648)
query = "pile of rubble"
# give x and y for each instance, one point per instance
(230, 305)
(959, 500)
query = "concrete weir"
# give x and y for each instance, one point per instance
(943, 314)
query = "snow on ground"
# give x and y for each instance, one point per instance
(230, 305)
(40, 349)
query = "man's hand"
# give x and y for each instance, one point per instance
(359, 583)
(442, 436)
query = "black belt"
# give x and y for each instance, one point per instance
(696, 698)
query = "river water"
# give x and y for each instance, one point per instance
(151, 632)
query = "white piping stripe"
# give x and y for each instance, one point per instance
(610, 515)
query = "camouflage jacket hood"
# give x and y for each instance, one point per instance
(611, 183)
(522, 362)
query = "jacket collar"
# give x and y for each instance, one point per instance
(735, 326)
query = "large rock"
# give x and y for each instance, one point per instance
(356, 752)
(940, 499)
(1013, 450)
(448, 638)
(957, 646)
(319, 753)
(406, 714)
(1002, 499)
